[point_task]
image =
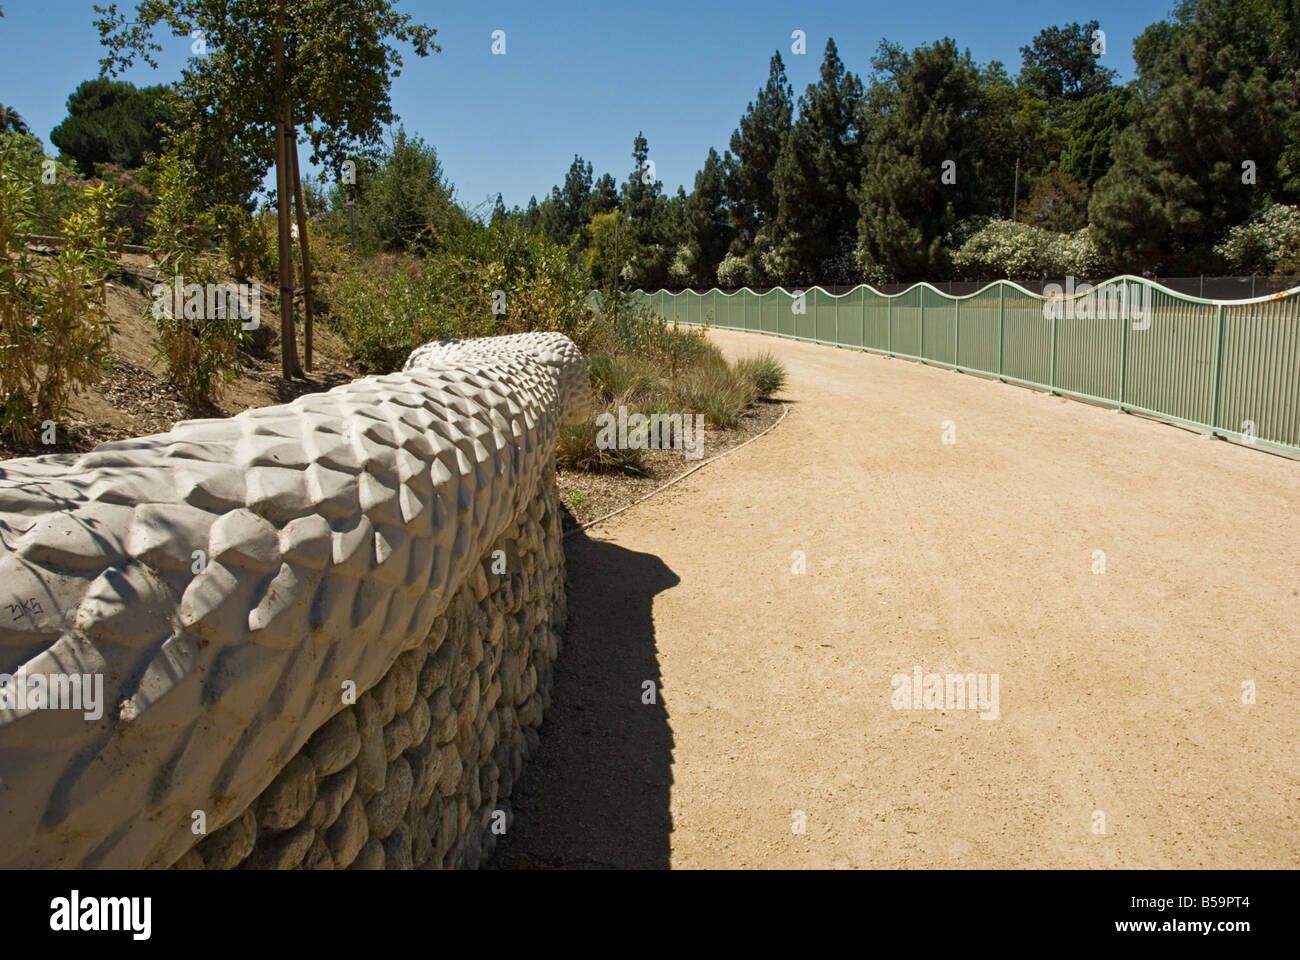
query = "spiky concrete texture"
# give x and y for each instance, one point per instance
(229, 577)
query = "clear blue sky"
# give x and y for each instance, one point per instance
(584, 77)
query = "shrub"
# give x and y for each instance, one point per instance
(716, 390)
(1263, 243)
(576, 449)
(201, 353)
(764, 371)
(54, 327)
(1004, 248)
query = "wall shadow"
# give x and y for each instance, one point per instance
(595, 793)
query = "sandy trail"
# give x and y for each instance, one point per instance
(1119, 693)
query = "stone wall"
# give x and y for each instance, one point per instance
(251, 590)
(416, 772)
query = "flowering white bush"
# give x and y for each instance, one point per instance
(1075, 254)
(1260, 245)
(1005, 248)
(735, 271)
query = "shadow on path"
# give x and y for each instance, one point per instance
(595, 793)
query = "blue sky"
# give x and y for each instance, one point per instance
(581, 77)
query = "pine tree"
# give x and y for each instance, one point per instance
(932, 121)
(816, 171)
(755, 146)
(1215, 97)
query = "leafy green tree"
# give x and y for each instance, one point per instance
(819, 165)
(403, 201)
(11, 121)
(647, 224)
(755, 146)
(707, 231)
(562, 213)
(1215, 98)
(1060, 64)
(1094, 123)
(270, 68)
(499, 211)
(930, 124)
(112, 121)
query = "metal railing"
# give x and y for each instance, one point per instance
(1229, 367)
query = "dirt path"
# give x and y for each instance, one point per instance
(1119, 694)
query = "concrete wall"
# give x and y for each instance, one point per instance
(305, 644)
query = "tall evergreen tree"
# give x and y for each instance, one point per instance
(930, 124)
(816, 172)
(112, 121)
(755, 146)
(1215, 100)
(562, 213)
(706, 228)
(1060, 64)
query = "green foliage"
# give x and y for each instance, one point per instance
(764, 371)
(755, 147)
(387, 306)
(11, 121)
(1216, 91)
(201, 353)
(1060, 64)
(928, 108)
(54, 326)
(403, 201)
(114, 122)
(1269, 242)
(818, 168)
(1094, 123)
(707, 232)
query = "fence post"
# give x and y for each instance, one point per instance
(1002, 321)
(1123, 361)
(889, 325)
(1051, 376)
(956, 334)
(837, 321)
(862, 325)
(921, 293)
(1218, 367)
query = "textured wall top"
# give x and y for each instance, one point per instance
(228, 577)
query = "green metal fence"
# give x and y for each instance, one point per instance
(1230, 367)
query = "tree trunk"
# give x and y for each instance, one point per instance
(288, 347)
(300, 208)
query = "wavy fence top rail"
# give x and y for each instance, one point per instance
(1231, 367)
(1071, 293)
(224, 579)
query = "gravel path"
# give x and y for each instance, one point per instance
(1119, 696)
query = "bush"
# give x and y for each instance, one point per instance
(1262, 244)
(201, 353)
(576, 449)
(715, 389)
(1004, 248)
(765, 373)
(54, 327)
(489, 280)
